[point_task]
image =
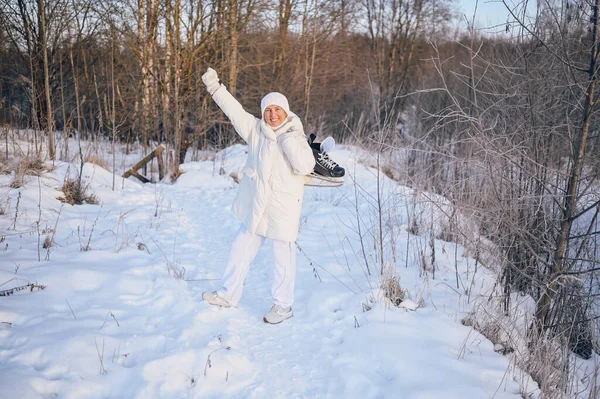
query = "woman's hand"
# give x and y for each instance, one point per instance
(211, 80)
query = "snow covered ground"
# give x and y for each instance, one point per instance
(122, 316)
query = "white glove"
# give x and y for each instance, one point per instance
(211, 80)
(327, 144)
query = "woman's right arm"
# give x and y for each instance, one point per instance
(242, 121)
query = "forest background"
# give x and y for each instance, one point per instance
(502, 121)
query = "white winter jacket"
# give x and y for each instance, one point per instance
(269, 199)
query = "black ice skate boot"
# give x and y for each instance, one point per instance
(326, 169)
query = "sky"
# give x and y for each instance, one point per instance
(490, 13)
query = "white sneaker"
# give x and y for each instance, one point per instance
(215, 299)
(277, 314)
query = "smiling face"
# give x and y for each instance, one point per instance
(274, 115)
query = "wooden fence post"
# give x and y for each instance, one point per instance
(161, 165)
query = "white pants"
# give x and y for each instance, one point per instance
(243, 251)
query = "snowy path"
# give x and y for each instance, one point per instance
(278, 357)
(114, 323)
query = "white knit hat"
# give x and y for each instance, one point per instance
(274, 98)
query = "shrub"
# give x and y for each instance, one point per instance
(570, 318)
(75, 193)
(392, 290)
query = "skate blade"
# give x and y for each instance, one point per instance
(322, 181)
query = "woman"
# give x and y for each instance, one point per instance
(269, 199)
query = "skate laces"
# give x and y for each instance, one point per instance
(326, 161)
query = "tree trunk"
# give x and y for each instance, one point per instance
(49, 115)
(65, 130)
(167, 75)
(285, 12)
(76, 88)
(176, 84)
(233, 46)
(113, 110)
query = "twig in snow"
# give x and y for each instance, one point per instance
(37, 223)
(100, 356)
(31, 287)
(326, 271)
(75, 317)
(88, 246)
(173, 269)
(191, 379)
(16, 211)
(315, 272)
(338, 261)
(452, 288)
(51, 243)
(113, 316)
(208, 363)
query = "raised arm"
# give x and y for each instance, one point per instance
(242, 121)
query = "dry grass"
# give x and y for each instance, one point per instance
(5, 168)
(489, 328)
(545, 358)
(392, 290)
(31, 167)
(235, 177)
(47, 242)
(96, 160)
(175, 174)
(75, 193)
